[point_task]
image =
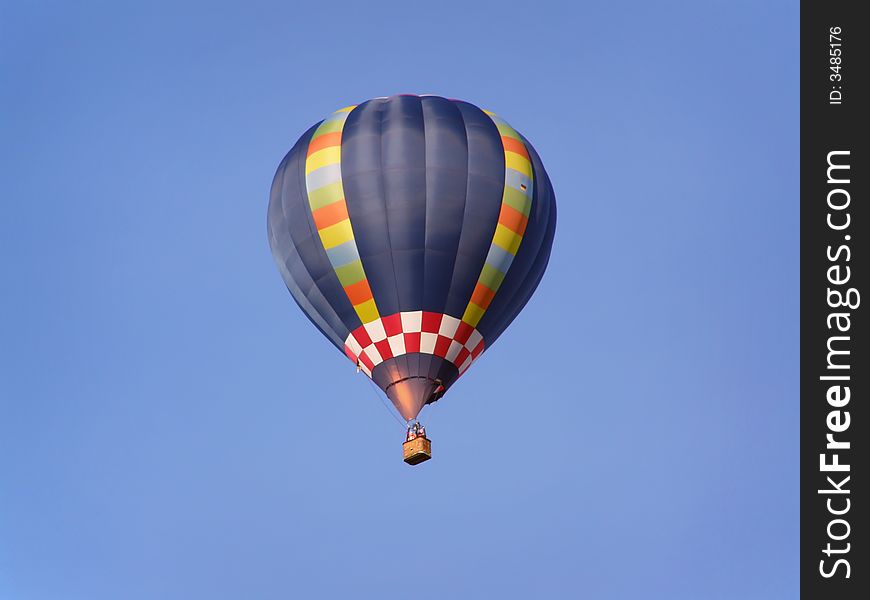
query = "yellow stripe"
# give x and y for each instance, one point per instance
(473, 314)
(367, 311)
(328, 194)
(337, 234)
(506, 239)
(514, 161)
(321, 158)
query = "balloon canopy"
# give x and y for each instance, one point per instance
(411, 230)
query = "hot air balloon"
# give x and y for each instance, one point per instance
(411, 230)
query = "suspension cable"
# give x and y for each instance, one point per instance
(375, 390)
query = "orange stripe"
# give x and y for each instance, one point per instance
(514, 145)
(324, 141)
(513, 219)
(482, 295)
(330, 214)
(359, 292)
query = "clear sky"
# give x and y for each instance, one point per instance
(172, 427)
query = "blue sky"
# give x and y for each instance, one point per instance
(171, 424)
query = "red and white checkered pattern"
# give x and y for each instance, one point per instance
(417, 331)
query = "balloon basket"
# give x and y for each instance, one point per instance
(417, 450)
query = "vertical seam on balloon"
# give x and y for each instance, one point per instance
(425, 205)
(384, 197)
(329, 213)
(512, 221)
(547, 222)
(281, 169)
(279, 176)
(304, 194)
(464, 206)
(300, 165)
(511, 307)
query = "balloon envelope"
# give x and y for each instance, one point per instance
(411, 230)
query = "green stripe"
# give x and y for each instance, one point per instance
(508, 131)
(350, 273)
(329, 126)
(326, 195)
(521, 201)
(517, 200)
(491, 277)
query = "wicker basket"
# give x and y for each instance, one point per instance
(417, 450)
